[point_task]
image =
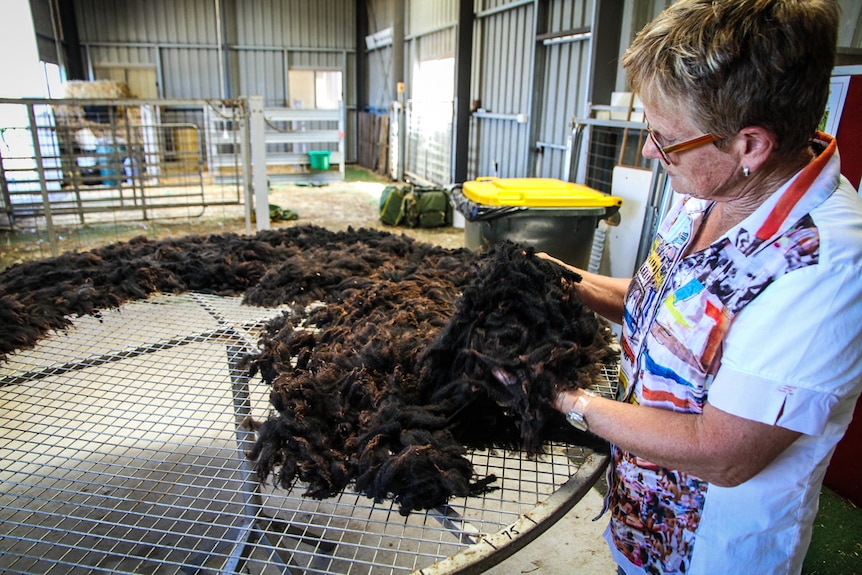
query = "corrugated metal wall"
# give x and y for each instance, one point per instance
(170, 34)
(381, 76)
(517, 73)
(223, 48)
(562, 82)
(430, 28)
(430, 34)
(503, 52)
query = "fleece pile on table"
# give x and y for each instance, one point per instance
(411, 355)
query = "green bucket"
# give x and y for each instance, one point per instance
(319, 159)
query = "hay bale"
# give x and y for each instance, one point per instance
(98, 89)
(75, 117)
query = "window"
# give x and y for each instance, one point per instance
(434, 81)
(53, 83)
(314, 88)
(141, 80)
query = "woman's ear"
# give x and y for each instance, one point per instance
(755, 145)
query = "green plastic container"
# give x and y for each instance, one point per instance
(319, 159)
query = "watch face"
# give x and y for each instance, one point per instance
(577, 420)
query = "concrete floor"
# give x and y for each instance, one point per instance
(572, 545)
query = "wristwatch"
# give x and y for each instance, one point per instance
(576, 416)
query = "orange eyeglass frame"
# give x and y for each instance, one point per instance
(679, 147)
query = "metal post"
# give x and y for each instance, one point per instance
(43, 184)
(241, 116)
(464, 58)
(257, 139)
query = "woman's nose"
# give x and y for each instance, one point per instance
(650, 150)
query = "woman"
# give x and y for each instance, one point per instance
(742, 355)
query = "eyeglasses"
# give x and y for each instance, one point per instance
(681, 146)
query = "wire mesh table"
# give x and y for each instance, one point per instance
(123, 450)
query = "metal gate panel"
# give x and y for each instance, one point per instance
(73, 162)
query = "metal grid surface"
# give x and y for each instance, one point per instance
(123, 451)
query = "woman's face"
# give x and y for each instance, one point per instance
(704, 172)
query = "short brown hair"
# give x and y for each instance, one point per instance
(738, 63)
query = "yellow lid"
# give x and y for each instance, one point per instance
(536, 193)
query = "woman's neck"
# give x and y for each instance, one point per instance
(755, 190)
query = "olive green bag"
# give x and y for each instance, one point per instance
(392, 204)
(428, 207)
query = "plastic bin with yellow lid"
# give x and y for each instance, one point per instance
(550, 215)
(536, 193)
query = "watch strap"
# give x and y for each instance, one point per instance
(575, 416)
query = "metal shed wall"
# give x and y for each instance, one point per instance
(223, 48)
(526, 92)
(262, 35)
(214, 48)
(431, 27)
(380, 81)
(430, 34)
(562, 82)
(503, 52)
(380, 78)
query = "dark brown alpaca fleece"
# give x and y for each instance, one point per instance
(418, 355)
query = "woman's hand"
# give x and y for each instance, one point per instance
(602, 294)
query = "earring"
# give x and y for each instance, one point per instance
(746, 171)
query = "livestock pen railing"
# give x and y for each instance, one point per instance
(67, 163)
(79, 157)
(78, 162)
